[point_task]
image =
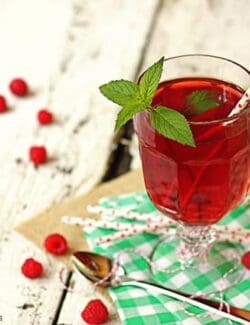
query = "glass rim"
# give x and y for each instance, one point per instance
(223, 120)
(209, 56)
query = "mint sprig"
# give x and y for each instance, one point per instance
(135, 98)
(150, 81)
(172, 125)
(200, 101)
(126, 114)
(121, 92)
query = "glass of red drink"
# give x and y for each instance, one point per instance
(197, 186)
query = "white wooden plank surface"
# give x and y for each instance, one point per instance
(216, 27)
(65, 49)
(75, 302)
(24, 301)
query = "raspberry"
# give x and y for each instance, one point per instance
(245, 260)
(32, 269)
(45, 117)
(95, 312)
(19, 87)
(3, 104)
(56, 244)
(38, 155)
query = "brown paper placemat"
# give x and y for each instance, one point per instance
(49, 220)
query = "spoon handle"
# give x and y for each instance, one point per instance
(201, 303)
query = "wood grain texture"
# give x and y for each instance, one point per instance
(202, 26)
(84, 292)
(24, 301)
(65, 50)
(215, 27)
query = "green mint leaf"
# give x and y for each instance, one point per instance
(127, 113)
(121, 92)
(200, 101)
(150, 81)
(172, 125)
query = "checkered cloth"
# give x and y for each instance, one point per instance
(137, 306)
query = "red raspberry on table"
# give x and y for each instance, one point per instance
(45, 117)
(19, 87)
(38, 155)
(95, 312)
(32, 269)
(56, 244)
(245, 260)
(3, 104)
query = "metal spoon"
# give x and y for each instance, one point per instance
(96, 267)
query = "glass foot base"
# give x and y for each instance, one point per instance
(219, 268)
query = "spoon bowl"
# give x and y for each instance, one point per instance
(93, 266)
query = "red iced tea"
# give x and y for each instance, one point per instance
(197, 185)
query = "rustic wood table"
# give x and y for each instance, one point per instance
(65, 49)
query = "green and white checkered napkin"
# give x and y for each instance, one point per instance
(136, 306)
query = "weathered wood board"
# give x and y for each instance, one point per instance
(65, 50)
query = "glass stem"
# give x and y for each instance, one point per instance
(195, 241)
